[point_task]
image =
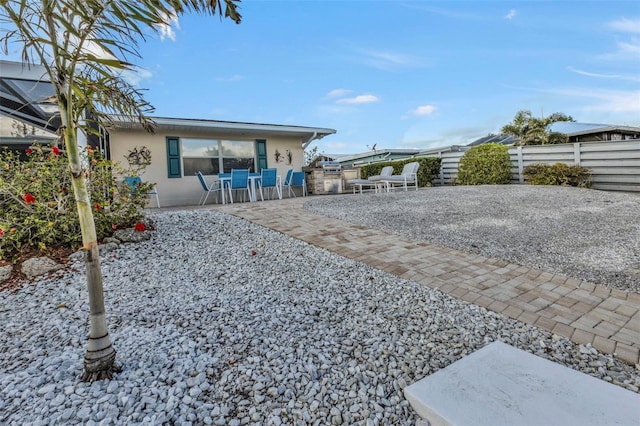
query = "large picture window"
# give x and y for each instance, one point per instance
(213, 156)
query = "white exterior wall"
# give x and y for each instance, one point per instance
(186, 191)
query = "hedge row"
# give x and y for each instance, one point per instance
(428, 171)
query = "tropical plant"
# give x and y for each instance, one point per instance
(487, 164)
(38, 207)
(558, 174)
(84, 46)
(535, 131)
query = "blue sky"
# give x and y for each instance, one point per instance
(399, 74)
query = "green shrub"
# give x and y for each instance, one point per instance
(487, 164)
(38, 205)
(428, 171)
(558, 174)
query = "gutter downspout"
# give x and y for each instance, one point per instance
(313, 137)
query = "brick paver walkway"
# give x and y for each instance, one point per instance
(572, 308)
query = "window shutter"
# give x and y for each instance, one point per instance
(261, 151)
(173, 157)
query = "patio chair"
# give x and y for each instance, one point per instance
(287, 181)
(239, 181)
(214, 187)
(371, 181)
(269, 180)
(408, 177)
(134, 183)
(297, 180)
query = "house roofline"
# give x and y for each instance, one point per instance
(192, 124)
(605, 128)
(350, 157)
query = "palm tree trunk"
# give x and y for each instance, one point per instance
(99, 360)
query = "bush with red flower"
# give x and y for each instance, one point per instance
(38, 204)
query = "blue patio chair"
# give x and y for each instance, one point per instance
(287, 180)
(134, 183)
(239, 181)
(297, 180)
(269, 180)
(214, 187)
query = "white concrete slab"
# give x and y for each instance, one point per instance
(502, 385)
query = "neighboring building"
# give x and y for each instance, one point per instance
(588, 132)
(26, 111)
(179, 147)
(355, 160)
(501, 139)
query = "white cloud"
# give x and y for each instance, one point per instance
(136, 76)
(387, 60)
(166, 29)
(235, 77)
(424, 110)
(625, 25)
(512, 13)
(360, 99)
(607, 76)
(337, 93)
(620, 101)
(605, 100)
(626, 51)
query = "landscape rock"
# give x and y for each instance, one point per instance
(38, 266)
(130, 235)
(107, 247)
(5, 273)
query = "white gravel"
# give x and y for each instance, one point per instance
(587, 234)
(208, 333)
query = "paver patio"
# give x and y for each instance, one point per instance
(608, 319)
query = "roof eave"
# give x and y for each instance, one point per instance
(228, 126)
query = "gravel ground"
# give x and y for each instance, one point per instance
(587, 234)
(209, 332)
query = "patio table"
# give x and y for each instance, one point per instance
(225, 179)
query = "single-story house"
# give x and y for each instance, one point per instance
(179, 147)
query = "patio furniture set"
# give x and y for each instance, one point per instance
(386, 180)
(242, 181)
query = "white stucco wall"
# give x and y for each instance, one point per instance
(186, 191)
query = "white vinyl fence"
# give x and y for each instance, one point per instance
(615, 166)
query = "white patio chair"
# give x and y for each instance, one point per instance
(407, 178)
(372, 181)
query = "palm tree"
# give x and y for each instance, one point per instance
(534, 131)
(83, 45)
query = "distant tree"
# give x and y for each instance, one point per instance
(83, 46)
(533, 130)
(310, 155)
